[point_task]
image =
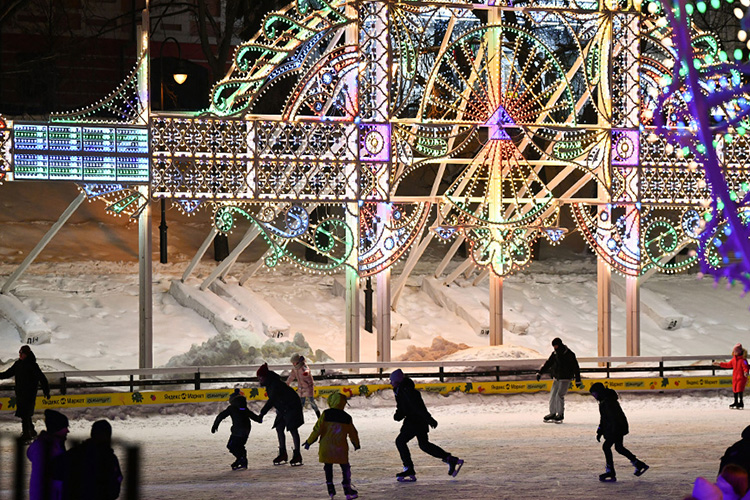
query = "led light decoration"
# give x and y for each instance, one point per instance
(480, 120)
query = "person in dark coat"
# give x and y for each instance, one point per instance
(28, 378)
(91, 470)
(738, 453)
(241, 416)
(288, 413)
(562, 364)
(43, 452)
(417, 422)
(613, 425)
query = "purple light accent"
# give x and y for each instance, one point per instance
(737, 244)
(625, 147)
(375, 142)
(496, 122)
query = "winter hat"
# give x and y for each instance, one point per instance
(597, 387)
(101, 431)
(337, 400)
(737, 349)
(295, 358)
(238, 401)
(262, 371)
(556, 342)
(55, 421)
(397, 376)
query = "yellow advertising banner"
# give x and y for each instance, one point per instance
(259, 394)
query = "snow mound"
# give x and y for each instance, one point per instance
(438, 350)
(242, 347)
(493, 352)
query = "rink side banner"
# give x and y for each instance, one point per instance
(259, 394)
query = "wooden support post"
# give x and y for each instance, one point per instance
(496, 309)
(633, 311)
(604, 308)
(384, 314)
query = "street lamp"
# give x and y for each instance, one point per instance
(179, 75)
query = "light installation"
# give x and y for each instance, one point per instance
(492, 122)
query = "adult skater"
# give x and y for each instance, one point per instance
(28, 377)
(241, 416)
(613, 425)
(738, 453)
(417, 420)
(563, 366)
(288, 413)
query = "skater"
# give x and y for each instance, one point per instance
(731, 484)
(28, 377)
(288, 413)
(90, 470)
(42, 453)
(305, 383)
(738, 453)
(613, 425)
(241, 416)
(417, 420)
(563, 366)
(739, 367)
(333, 428)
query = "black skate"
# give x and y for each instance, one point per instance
(350, 492)
(608, 476)
(454, 465)
(549, 418)
(407, 475)
(739, 406)
(640, 467)
(241, 464)
(281, 459)
(331, 490)
(235, 464)
(296, 459)
(558, 418)
(734, 405)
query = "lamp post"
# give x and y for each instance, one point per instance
(179, 76)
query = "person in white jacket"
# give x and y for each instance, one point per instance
(305, 383)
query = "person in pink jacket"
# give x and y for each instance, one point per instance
(739, 367)
(305, 384)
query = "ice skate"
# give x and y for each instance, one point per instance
(454, 465)
(640, 467)
(549, 418)
(240, 464)
(608, 476)
(350, 492)
(407, 475)
(235, 464)
(734, 405)
(331, 490)
(281, 459)
(740, 406)
(296, 459)
(558, 418)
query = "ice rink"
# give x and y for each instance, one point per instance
(510, 453)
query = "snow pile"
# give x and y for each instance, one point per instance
(242, 347)
(505, 351)
(438, 350)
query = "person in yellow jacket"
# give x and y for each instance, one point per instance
(333, 427)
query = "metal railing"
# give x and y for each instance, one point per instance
(441, 370)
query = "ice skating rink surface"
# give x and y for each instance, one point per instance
(510, 453)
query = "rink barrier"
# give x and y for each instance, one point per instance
(140, 398)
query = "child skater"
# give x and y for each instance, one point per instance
(739, 367)
(613, 425)
(333, 427)
(305, 383)
(417, 420)
(241, 416)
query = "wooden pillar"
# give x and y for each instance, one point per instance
(604, 308)
(384, 315)
(633, 311)
(496, 309)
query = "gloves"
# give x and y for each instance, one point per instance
(46, 395)
(398, 417)
(579, 384)
(433, 423)
(214, 429)
(538, 376)
(260, 419)
(306, 445)
(356, 448)
(598, 435)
